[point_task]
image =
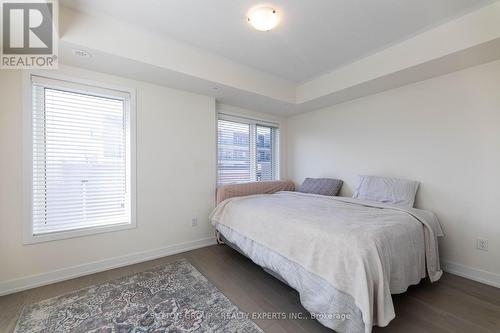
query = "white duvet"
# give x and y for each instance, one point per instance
(364, 249)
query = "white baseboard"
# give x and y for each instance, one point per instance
(33, 281)
(15, 285)
(475, 274)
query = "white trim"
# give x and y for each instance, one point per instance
(232, 110)
(245, 120)
(49, 74)
(58, 235)
(95, 89)
(276, 153)
(470, 273)
(33, 281)
(104, 89)
(27, 157)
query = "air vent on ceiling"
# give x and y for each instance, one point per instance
(81, 53)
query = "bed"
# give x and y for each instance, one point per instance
(344, 256)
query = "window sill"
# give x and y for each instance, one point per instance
(33, 239)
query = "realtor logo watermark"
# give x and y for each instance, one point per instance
(29, 34)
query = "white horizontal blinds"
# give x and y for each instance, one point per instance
(264, 143)
(81, 176)
(233, 152)
(247, 150)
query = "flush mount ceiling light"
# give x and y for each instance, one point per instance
(263, 18)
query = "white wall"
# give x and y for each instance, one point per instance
(175, 182)
(443, 132)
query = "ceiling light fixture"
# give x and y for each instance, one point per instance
(263, 18)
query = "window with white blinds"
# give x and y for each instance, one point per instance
(247, 150)
(81, 157)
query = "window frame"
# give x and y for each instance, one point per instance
(253, 151)
(93, 87)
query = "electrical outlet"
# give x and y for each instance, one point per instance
(194, 221)
(482, 244)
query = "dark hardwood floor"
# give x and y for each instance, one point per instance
(454, 304)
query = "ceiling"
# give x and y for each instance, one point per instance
(314, 36)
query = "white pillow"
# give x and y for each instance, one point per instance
(393, 191)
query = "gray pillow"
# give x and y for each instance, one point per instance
(323, 186)
(393, 191)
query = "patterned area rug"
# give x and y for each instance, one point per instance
(170, 298)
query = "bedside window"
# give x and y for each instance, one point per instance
(247, 150)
